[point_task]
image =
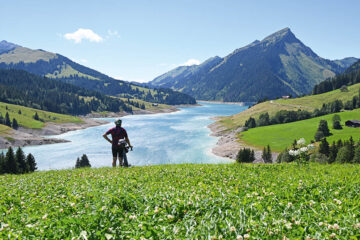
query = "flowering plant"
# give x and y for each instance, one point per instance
(300, 151)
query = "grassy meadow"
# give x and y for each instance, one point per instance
(229, 201)
(26, 119)
(308, 103)
(281, 136)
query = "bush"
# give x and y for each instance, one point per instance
(245, 155)
(284, 157)
(344, 155)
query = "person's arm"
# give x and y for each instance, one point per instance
(128, 141)
(106, 138)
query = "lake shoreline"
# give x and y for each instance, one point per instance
(34, 137)
(228, 144)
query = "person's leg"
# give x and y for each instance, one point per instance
(114, 153)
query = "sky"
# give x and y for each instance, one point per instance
(140, 40)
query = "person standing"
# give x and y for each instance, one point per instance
(119, 138)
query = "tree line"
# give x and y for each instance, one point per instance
(285, 116)
(26, 89)
(16, 162)
(350, 77)
(6, 121)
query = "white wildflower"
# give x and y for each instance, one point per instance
(321, 223)
(301, 141)
(246, 236)
(170, 217)
(132, 217)
(336, 227)
(44, 217)
(311, 146)
(140, 226)
(333, 235)
(239, 237)
(232, 229)
(72, 204)
(289, 204)
(303, 149)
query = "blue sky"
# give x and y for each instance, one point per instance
(139, 40)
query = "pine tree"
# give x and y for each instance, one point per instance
(10, 162)
(77, 164)
(245, 155)
(266, 155)
(336, 122)
(333, 153)
(21, 161)
(356, 158)
(250, 123)
(19, 112)
(2, 163)
(84, 161)
(15, 124)
(36, 116)
(324, 147)
(7, 120)
(30, 162)
(2, 120)
(323, 127)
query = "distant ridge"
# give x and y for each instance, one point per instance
(58, 67)
(278, 65)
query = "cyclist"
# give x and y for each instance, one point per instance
(119, 140)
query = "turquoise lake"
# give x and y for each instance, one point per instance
(166, 138)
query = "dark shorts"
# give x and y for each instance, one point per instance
(117, 151)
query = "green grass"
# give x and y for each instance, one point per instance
(67, 71)
(26, 119)
(183, 202)
(308, 103)
(281, 136)
(26, 55)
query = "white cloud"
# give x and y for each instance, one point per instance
(191, 62)
(81, 34)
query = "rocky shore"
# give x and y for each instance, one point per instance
(27, 136)
(228, 145)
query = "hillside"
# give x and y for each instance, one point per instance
(280, 136)
(23, 88)
(58, 67)
(183, 201)
(308, 103)
(25, 116)
(281, 62)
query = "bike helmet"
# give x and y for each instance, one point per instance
(118, 122)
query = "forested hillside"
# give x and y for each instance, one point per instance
(58, 67)
(349, 77)
(26, 89)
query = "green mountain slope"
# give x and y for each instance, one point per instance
(309, 103)
(26, 89)
(278, 65)
(61, 68)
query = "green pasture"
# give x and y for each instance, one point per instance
(148, 105)
(281, 136)
(225, 201)
(308, 103)
(26, 119)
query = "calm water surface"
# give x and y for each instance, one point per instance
(169, 138)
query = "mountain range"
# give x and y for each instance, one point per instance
(58, 67)
(278, 65)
